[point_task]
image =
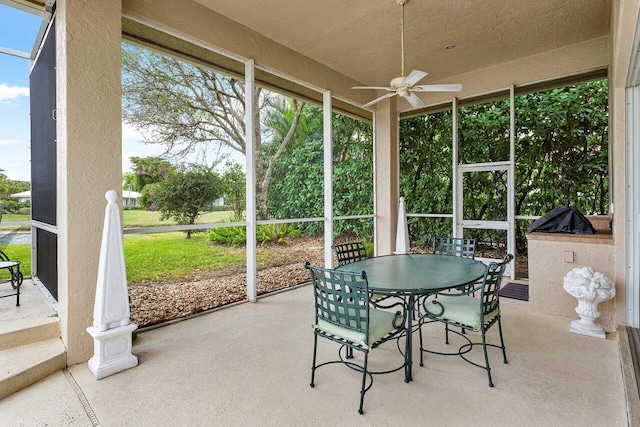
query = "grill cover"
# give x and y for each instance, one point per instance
(563, 219)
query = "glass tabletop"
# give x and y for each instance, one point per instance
(417, 273)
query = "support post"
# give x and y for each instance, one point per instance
(249, 135)
(328, 178)
(387, 180)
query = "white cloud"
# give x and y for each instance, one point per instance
(8, 93)
(5, 142)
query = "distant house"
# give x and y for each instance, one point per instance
(130, 198)
(24, 196)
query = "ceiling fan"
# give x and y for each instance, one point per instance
(404, 85)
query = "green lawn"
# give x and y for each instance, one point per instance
(134, 218)
(17, 252)
(161, 257)
(14, 217)
(167, 256)
(145, 218)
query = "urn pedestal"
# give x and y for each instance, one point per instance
(590, 288)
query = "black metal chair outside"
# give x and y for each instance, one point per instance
(16, 276)
(468, 313)
(343, 314)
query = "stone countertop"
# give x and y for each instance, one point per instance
(601, 237)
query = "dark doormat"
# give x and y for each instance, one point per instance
(515, 291)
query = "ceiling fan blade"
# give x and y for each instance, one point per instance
(414, 100)
(373, 87)
(386, 95)
(438, 88)
(414, 77)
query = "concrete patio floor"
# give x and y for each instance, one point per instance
(250, 365)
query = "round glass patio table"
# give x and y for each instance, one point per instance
(413, 275)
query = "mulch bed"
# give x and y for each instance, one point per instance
(158, 302)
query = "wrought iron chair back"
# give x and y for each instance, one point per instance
(490, 295)
(455, 246)
(347, 253)
(341, 298)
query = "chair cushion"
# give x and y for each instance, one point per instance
(380, 324)
(464, 309)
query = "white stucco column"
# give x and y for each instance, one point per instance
(387, 175)
(89, 154)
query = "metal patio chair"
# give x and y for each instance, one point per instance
(469, 313)
(347, 253)
(455, 246)
(15, 276)
(343, 314)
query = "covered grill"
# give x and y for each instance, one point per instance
(563, 219)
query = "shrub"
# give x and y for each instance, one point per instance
(274, 233)
(228, 235)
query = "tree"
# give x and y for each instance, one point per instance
(184, 192)
(4, 186)
(297, 190)
(10, 186)
(185, 108)
(234, 184)
(148, 170)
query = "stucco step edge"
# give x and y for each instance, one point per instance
(27, 364)
(29, 332)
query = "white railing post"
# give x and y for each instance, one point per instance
(249, 135)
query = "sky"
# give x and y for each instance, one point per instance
(18, 31)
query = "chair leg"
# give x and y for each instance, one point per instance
(504, 350)
(421, 346)
(349, 353)
(446, 333)
(313, 366)
(486, 356)
(364, 382)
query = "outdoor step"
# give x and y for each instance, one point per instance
(27, 364)
(28, 331)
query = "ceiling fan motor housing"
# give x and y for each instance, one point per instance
(397, 82)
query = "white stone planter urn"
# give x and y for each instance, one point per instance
(590, 287)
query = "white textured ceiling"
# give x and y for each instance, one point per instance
(361, 38)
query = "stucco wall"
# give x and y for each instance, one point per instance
(550, 260)
(89, 154)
